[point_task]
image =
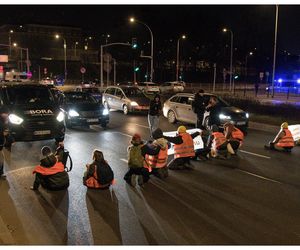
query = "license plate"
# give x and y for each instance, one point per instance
(92, 120)
(240, 123)
(42, 132)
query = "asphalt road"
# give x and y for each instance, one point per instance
(252, 198)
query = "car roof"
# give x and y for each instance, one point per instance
(191, 94)
(122, 87)
(22, 84)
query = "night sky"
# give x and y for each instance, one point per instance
(253, 25)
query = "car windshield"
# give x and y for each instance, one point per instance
(91, 90)
(133, 92)
(29, 95)
(222, 102)
(79, 98)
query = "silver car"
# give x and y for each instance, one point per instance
(168, 87)
(179, 108)
(125, 98)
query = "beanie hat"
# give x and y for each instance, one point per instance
(46, 151)
(181, 129)
(284, 125)
(157, 133)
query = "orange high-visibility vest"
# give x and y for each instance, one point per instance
(237, 134)
(185, 149)
(92, 182)
(56, 168)
(219, 139)
(287, 140)
(157, 161)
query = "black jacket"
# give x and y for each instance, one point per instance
(104, 172)
(155, 107)
(199, 104)
(214, 114)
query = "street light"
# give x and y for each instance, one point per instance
(275, 46)
(15, 44)
(133, 20)
(9, 40)
(246, 61)
(76, 43)
(65, 54)
(177, 61)
(231, 54)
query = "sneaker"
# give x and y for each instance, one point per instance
(140, 180)
(133, 180)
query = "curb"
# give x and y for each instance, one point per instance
(263, 127)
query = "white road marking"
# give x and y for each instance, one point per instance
(258, 176)
(16, 170)
(250, 153)
(124, 160)
(122, 134)
(139, 125)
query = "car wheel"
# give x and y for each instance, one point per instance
(125, 110)
(171, 117)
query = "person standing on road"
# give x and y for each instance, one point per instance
(183, 149)
(199, 108)
(256, 88)
(214, 108)
(155, 110)
(283, 141)
(98, 174)
(50, 173)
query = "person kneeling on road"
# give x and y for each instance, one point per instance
(136, 153)
(234, 136)
(220, 147)
(283, 141)
(50, 173)
(98, 174)
(183, 149)
(158, 163)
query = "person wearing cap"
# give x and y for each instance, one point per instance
(50, 174)
(155, 110)
(233, 135)
(158, 163)
(283, 141)
(136, 157)
(199, 108)
(183, 149)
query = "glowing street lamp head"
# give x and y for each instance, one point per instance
(183, 37)
(250, 53)
(132, 20)
(56, 36)
(11, 31)
(225, 30)
(15, 44)
(76, 43)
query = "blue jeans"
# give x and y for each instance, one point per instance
(153, 121)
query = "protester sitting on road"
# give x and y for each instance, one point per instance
(219, 144)
(50, 173)
(136, 158)
(233, 135)
(158, 163)
(98, 174)
(203, 153)
(283, 141)
(183, 149)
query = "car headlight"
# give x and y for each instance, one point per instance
(73, 113)
(105, 112)
(14, 119)
(134, 104)
(224, 117)
(247, 115)
(60, 117)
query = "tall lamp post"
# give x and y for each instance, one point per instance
(231, 55)
(65, 54)
(177, 60)
(75, 46)
(132, 20)
(9, 40)
(275, 46)
(246, 62)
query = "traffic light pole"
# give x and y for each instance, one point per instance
(101, 58)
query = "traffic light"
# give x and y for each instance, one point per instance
(236, 77)
(136, 69)
(134, 43)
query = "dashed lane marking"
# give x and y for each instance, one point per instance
(258, 176)
(250, 153)
(122, 133)
(139, 125)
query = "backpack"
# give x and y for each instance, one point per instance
(64, 155)
(105, 174)
(135, 157)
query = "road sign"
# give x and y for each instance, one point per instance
(82, 70)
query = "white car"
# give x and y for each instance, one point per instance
(46, 81)
(148, 87)
(171, 87)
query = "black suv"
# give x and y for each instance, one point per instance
(34, 114)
